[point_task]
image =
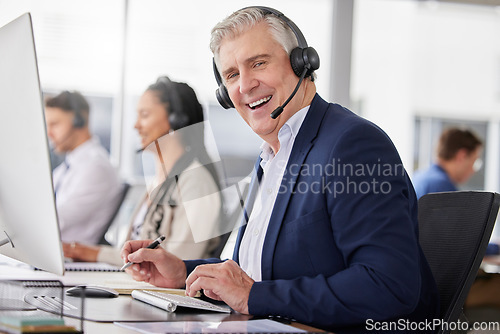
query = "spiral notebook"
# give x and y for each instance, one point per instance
(90, 266)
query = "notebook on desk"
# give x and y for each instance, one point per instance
(90, 266)
(107, 276)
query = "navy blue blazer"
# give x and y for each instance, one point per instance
(342, 242)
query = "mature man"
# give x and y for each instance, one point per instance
(86, 185)
(458, 151)
(331, 239)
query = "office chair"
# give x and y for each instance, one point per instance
(454, 229)
(126, 187)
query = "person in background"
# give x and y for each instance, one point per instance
(323, 244)
(183, 171)
(87, 187)
(458, 153)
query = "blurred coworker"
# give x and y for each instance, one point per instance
(86, 185)
(457, 156)
(183, 172)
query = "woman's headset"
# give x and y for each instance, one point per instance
(177, 117)
(301, 57)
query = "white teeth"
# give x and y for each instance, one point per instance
(256, 103)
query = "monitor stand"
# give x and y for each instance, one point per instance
(9, 304)
(6, 240)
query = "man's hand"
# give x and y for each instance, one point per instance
(155, 266)
(222, 281)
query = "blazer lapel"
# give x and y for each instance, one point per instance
(301, 147)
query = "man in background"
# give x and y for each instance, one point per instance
(86, 185)
(458, 152)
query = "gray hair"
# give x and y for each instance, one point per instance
(244, 19)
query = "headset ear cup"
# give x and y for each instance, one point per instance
(223, 97)
(297, 61)
(300, 57)
(221, 92)
(78, 121)
(311, 57)
(177, 120)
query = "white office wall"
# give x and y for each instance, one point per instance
(382, 68)
(457, 61)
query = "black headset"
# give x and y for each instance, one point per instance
(301, 57)
(177, 117)
(76, 107)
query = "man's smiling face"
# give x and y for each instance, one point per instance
(257, 73)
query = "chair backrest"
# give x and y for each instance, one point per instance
(454, 229)
(126, 187)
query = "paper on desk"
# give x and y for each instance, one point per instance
(250, 326)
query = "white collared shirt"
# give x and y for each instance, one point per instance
(273, 166)
(87, 190)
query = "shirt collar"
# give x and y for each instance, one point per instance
(80, 150)
(293, 125)
(295, 122)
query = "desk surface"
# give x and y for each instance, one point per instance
(23, 272)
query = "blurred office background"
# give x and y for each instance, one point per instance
(412, 67)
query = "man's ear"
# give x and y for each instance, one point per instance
(461, 155)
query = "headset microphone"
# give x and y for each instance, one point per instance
(279, 110)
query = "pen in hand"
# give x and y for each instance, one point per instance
(153, 245)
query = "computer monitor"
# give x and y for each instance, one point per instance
(29, 228)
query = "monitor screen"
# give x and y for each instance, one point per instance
(29, 229)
